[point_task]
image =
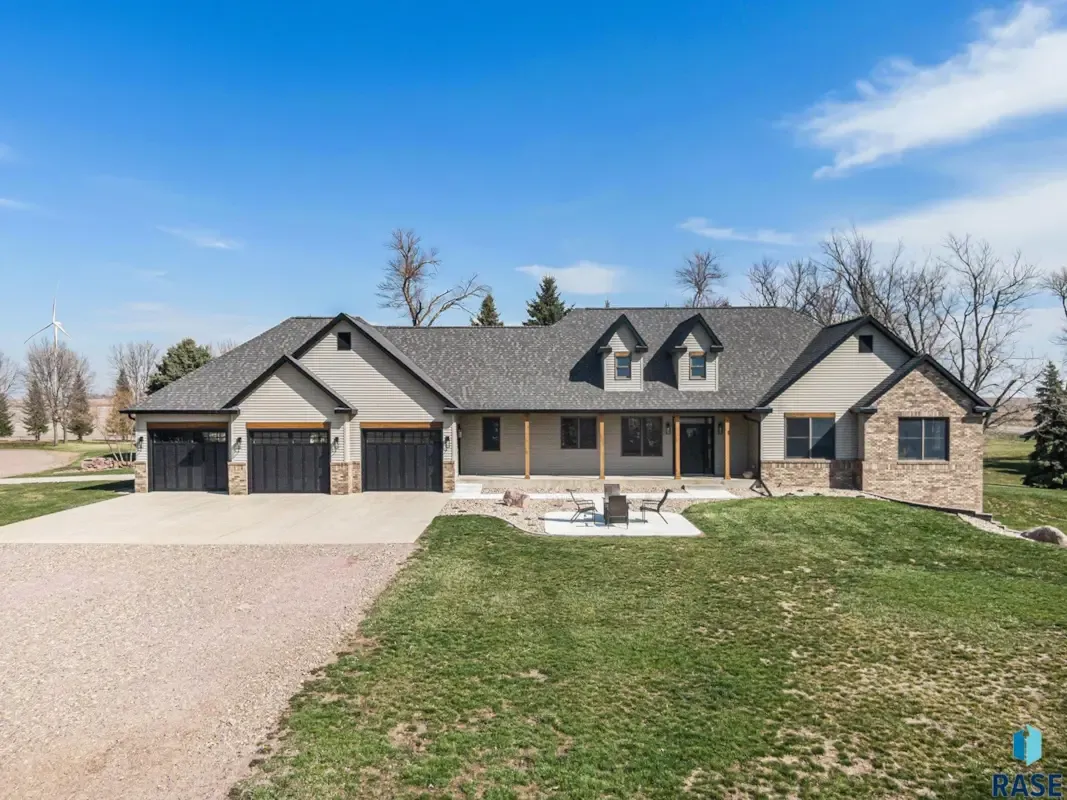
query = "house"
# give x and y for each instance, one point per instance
(339, 405)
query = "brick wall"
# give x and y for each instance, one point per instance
(812, 473)
(237, 473)
(448, 479)
(340, 477)
(956, 482)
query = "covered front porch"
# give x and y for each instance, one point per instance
(547, 448)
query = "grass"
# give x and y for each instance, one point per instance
(79, 451)
(850, 648)
(28, 500)
(1015, 505)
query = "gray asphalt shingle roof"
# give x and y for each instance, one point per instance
(530, 368)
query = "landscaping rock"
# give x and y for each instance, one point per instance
(1047, 534)
(99, 463)
(513, 497)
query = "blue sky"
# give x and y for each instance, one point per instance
(209, 169)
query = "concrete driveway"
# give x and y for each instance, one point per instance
(200, 518)
(135, 670)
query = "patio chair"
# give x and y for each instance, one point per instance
(648, 505)
(582, 506)
(612, 488)
(616, 510)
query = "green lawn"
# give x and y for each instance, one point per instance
(1011, 503)
(853, 648)
(36, 499)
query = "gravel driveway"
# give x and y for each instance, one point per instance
(154, 671)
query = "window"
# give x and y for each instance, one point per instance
(344, 340)
(642, 436)
(490, 433)
(698, 366)
(577, 433)
(622, 366)
(866, 343)
(809, 437)
(922, 439)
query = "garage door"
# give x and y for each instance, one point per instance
(183, 460)
(289, 461)
(401, 461)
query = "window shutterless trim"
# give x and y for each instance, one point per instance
(578, 420)
(499, 434)
(922, 439)
(703, 367)
(629, 367)
(811, 441)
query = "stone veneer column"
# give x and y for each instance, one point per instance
(448, 478)
(356, 481)
(237, 472)
(340, 477)
(140, 476)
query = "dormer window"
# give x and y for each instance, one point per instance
(698, 366)
(622, 366)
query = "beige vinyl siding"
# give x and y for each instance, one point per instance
(287, 396)
(379, 388)
(743, 455)
(698, 341)
(623, 342)
(547, 457)
(141, 422)
(509, 460)
(615, 463)
(835, 384)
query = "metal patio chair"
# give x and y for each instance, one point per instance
(582, 506)
(657, 507)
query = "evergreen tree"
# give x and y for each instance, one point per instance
(6, 427)
(1048, 461)
(79, 418)
(118, 424)
(487, 316)
(546, 308)
(35, 411)
(179, 360)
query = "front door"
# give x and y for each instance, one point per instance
(697, 456)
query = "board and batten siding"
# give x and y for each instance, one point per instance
(143, 420)
(622, 341)
(376, 385)
(835, 384)
(697, 341)
(287, 396)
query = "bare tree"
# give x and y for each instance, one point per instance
(138, 360)
(871, 285)
(923, 306)
(1056, 283)
(407, 275)
(698, 278)
(54, 369)
(802, 285)
(223, 346)
(9, 375)
(985, 315)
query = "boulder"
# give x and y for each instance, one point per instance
(513, 497)
(1047, 534)
(99, 463)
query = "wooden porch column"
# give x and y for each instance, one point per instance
(726, 448)
(526, 442)
(600, 442)
(677, 449)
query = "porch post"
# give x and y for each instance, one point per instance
(726, 448)
(526, 442)
(677, 450)
(600, 441)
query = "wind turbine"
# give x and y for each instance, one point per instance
(56, 327)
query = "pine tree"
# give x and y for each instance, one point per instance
(35, 411)
(79, 418)
(1048, 461)
(487, 316)
(546, 308)
(179, 360)
(118, 424)
(6, 427)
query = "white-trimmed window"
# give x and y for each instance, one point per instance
(623, 366)
(698, 366)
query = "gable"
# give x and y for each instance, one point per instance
(370, 379)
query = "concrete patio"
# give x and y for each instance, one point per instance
(560, 523)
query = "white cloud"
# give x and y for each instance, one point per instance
(584, 277)
(1014, 70)
(701, 227)
(1025, 216)
(201, 237)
